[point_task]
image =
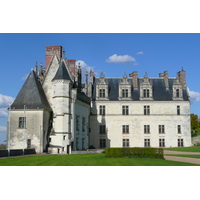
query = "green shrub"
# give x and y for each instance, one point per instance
(134, 152)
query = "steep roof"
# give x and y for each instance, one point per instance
(159, 90)
(62, 72)
(31, 95)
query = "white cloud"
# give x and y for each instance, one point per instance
(3, 112)
(25, 77)
(3, 128)
(140, 52)
(84, 68)
(120, 59)
(5, 101)
(194, 96)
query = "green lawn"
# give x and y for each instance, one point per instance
(182, 155)
(188, 149)
(94, 159)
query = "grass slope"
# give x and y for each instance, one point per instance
(86, 160)
(188, 149)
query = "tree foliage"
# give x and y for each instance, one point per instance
(195, 124)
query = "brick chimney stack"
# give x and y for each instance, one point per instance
(134, 76)
(72, 66)
(182, 78)
(50, 51)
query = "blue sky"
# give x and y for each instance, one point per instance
(111, 53)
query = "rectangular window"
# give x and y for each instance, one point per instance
(146, 142)
(64, 137)
(146, 128)
(125, 110)
(83, 124)
(178, 110)
(177, 93)
(28, 143)
(180, 142)
(146, 110)
(125, 128)
(22, 122)
(102, 129)
(102, 143)
(124, 92)
(161, 142)
(125, 142)
(77, 123)
(179, 129)
(146, 93)
(102, 110)
(102, 93)
(161, 128)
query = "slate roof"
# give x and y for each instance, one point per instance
(159, 90)
(31, 95)
(62, 72)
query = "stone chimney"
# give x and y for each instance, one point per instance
(72, 66)
(165, 76)
(50, 51)
(92, 76)
(134, 76)
(182, 78)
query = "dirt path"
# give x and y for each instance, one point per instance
(182, 159)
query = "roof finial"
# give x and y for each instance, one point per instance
(36, 68)
(125, 76)
(86, 80)
(102, 75)
(145, 75)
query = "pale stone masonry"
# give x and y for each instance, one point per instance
(55, 112)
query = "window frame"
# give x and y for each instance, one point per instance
(146, 110)
(102, 110)
(22, 123)
(125, 110)
(147, 142)
(102, 129)
(147, 129)
(125, 129)
(161, 142)
(161, 129)
(125, 143)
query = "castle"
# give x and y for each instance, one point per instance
(55, 112)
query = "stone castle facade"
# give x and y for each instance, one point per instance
(55, 112)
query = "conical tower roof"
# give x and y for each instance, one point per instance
(31, 95)
(62, 72)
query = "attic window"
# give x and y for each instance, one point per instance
(146, 93)
(124, 92)
(102, 93)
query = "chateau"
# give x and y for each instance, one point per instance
(55, 112)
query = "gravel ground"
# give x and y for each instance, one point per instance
(182, 159)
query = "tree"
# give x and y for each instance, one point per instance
(195, 124)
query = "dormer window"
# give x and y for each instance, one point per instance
(177, 90)
(177, 93)
(146, 93)
(146, 89)
(124, 89)
(102, 93)
(124, 93)
(102, 88)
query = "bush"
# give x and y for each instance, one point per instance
(135, 152)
